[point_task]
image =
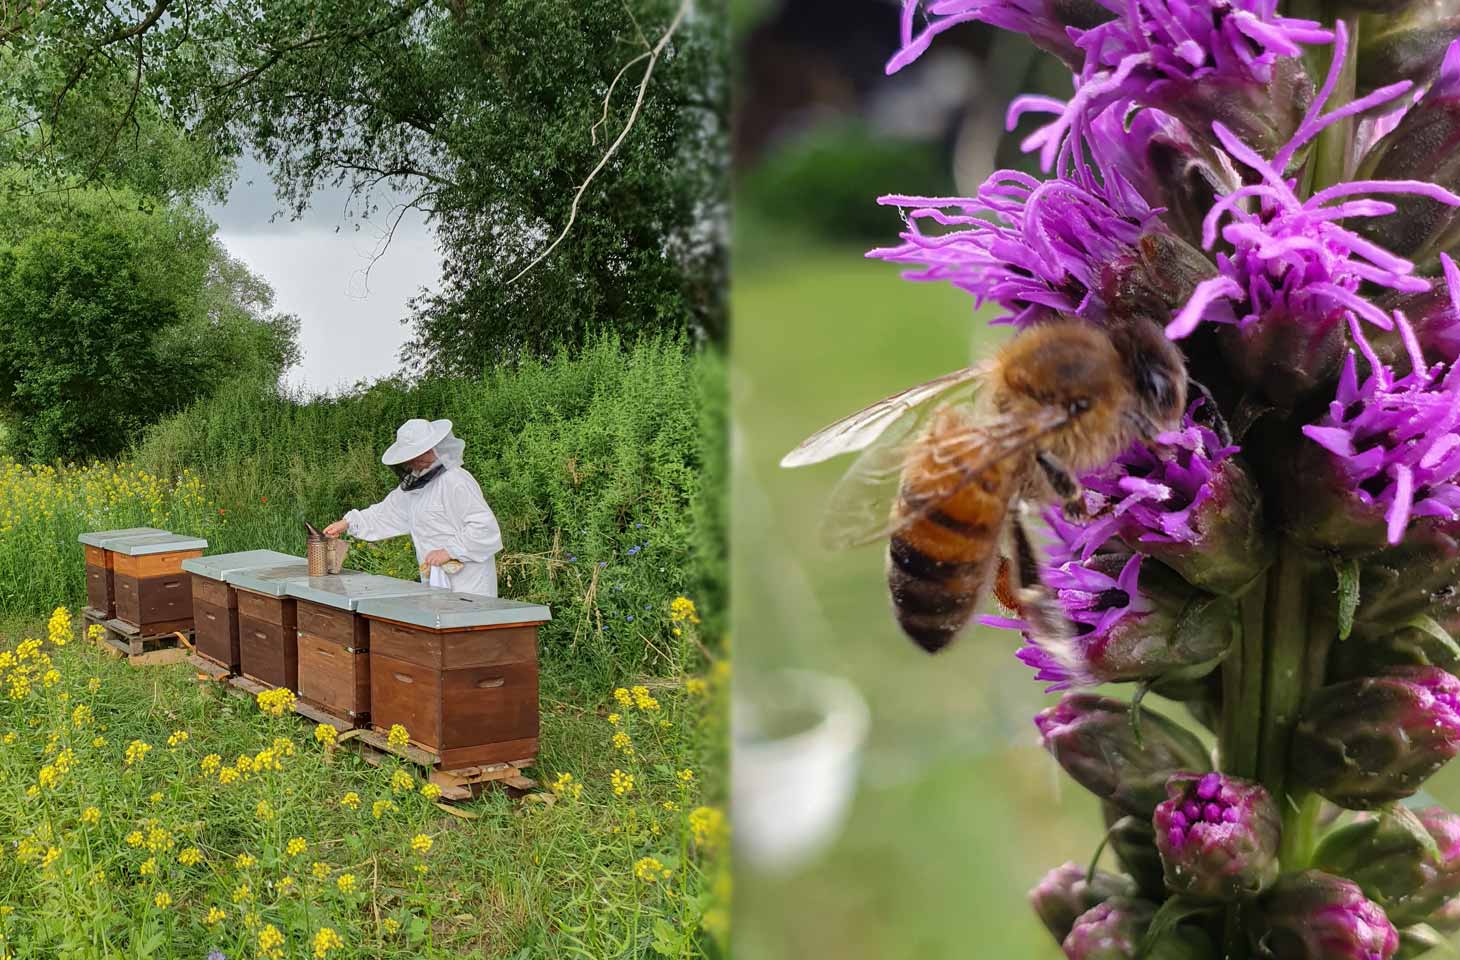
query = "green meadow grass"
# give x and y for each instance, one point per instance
(576, 872)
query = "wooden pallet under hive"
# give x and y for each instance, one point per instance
(465, 783)
(140, 650)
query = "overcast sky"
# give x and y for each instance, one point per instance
(350, 326)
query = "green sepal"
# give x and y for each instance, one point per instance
(1163, 925)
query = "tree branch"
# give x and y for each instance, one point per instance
(608, 154)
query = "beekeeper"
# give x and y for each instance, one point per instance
(439, 504)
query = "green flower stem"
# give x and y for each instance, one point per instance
(1286, 633)
(1333, 150)
(1242, 681)
(1300, 829)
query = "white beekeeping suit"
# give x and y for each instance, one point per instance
(441, 507)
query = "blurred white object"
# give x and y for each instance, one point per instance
(797, 740)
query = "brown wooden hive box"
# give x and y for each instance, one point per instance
(334, 641)
(268, 644)
(215, 602)
(100, 588)
(153, 593)
(459, 672)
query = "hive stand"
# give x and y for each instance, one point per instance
(464, 783)
(125, 640)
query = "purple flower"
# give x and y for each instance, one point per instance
(1396, 442)
(1316, 916)
(1196, 59)
(1027, 245)
(1110, 930)
(1068, 891)
(1218, 836)
(633, 550)
(1293, 261)
(216, 955)
(1046, 22)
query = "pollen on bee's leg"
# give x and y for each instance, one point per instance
(1004, 585)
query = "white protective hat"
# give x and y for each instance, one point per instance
(414, 438)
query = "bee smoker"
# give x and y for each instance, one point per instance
(324, 556)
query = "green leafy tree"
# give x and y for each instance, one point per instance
(509, 124)
(114, 313)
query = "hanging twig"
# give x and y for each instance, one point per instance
(653, 57)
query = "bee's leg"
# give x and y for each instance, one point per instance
(1210, 412)
(1064, 484)
(1037, 603)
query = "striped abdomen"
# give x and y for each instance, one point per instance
(939, 564)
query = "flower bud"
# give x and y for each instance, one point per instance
(1114, 930)
(1064, 894)
(1407, 862)
(1366, 742)
(1415, 579)
(1407, 44)
(1446, 919)
(1218, 836)
(1093, 741)
(1418, 941)
(1133, 839)
(1421, 147)
(1316, 916)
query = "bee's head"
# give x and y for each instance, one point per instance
(1157, 372)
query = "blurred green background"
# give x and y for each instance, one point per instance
(958, 812)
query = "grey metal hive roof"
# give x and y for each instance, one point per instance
(272, 580)
(347, 593)
(447, 610)
(219, 565)
(150, 543)
(99, 538)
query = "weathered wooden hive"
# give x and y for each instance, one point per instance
(215, 601)
(268, 644)
(459, 672)
(100, 588)
(153, 595)
(334, 642)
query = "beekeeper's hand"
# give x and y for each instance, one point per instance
(337, 528)
(435, 558)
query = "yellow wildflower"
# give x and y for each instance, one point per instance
(346, 882)
(623, 697)
(135, 839)
(326, 734)
(430, 791)
(643, 701)
(390, 924)
(670, 805)
(351, 800)
(227, 775)
(296, 846)
(241, 893)
(623, 783)
(326, 940)
(421, 843)
(320, 870)
(696, 687)
(422, 869)
(91, 816)
(264, 811)
(136, 750)
(94, 684)
(148, 867)
(81, 716)
(245, 860)
(613, 719)
(650, 870)
(682, 610)
(381, 807)
(210, 763)
(686, 776)
(52, 855)
(402, 782)
(708, 826)
(190, 857)
(566, 786)
(271, 943)
(398, 736)
(98, 742)
(156, 797)
(178, 737)
(163, 900)
(622, 743)
(214, 916)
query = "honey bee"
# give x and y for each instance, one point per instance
(947, 466)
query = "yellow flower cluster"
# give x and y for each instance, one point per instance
(696, 687)
(682, 610)
(136, 751)
(58, 628)
(402, 782)
(650, 870)
(296, 846)
(398, 737)
(190, 857)
(381, 807)
(326, 940)
(566, 786)
(271, 943)
(178, 738)
(351, 800)
(276, 702)
(326, 734)
(346, 882)
(623, 744)
(623, 783)
(708, 826)
(430, 791)
(107, 495)
(24, 667)
(421, 843)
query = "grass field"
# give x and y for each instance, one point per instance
(959, 812)
(144, 814)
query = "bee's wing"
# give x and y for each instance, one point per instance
(855, 432)
(860, 509)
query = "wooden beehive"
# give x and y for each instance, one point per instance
(268, 645)
(215, 602)
(334, 642)
(153, 594)
(100, 588)
(459, 672)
